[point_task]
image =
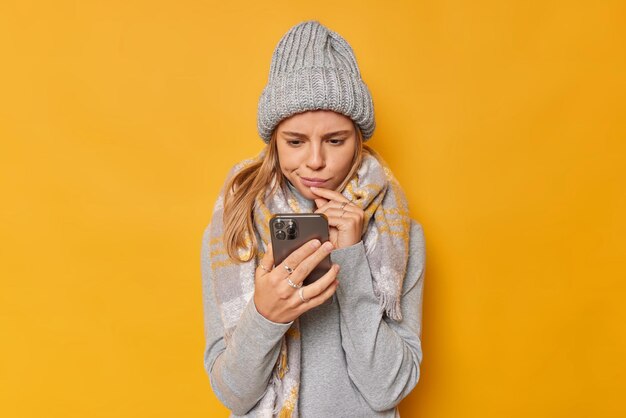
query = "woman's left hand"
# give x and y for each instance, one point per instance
(345, 219)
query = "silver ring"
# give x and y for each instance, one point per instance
(292, 284)
(263, 267)
(343, 205)
(341, 216)
(301, 294)
(289, 269)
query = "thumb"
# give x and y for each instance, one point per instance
(268, 258)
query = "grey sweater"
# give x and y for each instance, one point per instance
(355, 362)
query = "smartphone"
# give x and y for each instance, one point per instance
(290, 231)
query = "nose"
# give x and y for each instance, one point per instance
(315, 160)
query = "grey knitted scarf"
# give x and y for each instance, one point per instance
(377, 192)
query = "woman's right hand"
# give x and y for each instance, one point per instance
(279, 302)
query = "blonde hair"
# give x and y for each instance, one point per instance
(251, 182)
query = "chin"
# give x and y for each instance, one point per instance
(307, 193)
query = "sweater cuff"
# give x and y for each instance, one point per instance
(355, 277)
(341, 254)
(255, 336)
(268, 330)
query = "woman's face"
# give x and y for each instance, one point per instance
(316, 148)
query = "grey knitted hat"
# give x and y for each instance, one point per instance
(314, 68)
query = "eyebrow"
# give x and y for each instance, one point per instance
(328, 135)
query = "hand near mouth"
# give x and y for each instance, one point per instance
(345, 219)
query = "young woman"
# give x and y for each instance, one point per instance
(347, 345)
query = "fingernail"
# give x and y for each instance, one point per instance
(336, 266)
(316, 243)
(328, 245)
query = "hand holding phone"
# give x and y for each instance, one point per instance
(299, 250)
(290, 231)
(346, 219)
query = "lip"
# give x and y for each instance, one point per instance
(313, 182)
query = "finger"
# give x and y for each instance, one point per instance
(324, 204)
(342, 206)
(320, 202)
(308, 264)
(327, 294)
(329, 204)
(267, 261)
(314, 300)
(340, 218)
(329, 194)
(294, 259)
(323, 208)
(318, 286)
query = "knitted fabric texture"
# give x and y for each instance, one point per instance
(376, 191)
(314, 68)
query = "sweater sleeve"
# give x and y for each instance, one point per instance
(383, 356)
(240, 371)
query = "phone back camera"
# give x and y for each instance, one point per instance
(285, 229)
(291, 230)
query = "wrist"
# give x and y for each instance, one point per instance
(348, 242)
(266, 314)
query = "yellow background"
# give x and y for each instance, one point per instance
(504, 121)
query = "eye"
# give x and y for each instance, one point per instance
(294, 142)
(336, 141)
